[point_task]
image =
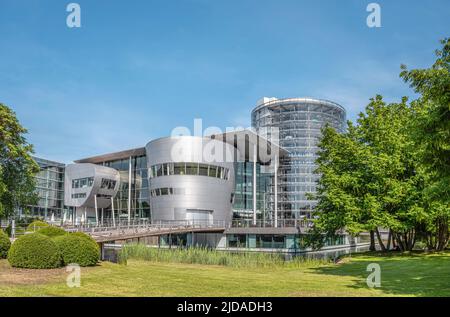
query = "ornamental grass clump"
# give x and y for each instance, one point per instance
(206, 256)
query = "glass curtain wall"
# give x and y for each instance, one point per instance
(299, 123)
(243, 196)
(140, 205)
(50, 190)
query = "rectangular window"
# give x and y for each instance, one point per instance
(220, 172)
(159, 170)
(164, 191)
(203, 170)
(212, 171)
(191, 168)
(82, 182)
(78, 195)
(179, 169)
(108, 183)
(166, 169)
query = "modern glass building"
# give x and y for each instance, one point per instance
(243, 195)
(298, 122)
(132, 167)
(50, 190)
(258, 189)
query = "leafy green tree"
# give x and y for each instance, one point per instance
(433, 117)
(432, 136)
(392, 169)
(369, 177)
(17, 167)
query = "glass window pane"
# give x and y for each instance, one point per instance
(212, 171)
(191, 168)
(179, 169)
(203, 169)
(159, 170)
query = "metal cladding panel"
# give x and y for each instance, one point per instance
(85, 170)
(202, 193)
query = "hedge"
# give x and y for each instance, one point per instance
(86, 236)
(79, 249)
(34, 251)
(5, 244)
(36, 225)
(52, 231)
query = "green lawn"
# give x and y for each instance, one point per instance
(406, 275)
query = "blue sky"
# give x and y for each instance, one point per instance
(137, 69)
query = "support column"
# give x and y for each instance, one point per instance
(96, 209)
(276, 192)
(254, 182)
(129, 191)
(112, 210)
(103, 211)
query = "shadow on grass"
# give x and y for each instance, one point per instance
(412, 274)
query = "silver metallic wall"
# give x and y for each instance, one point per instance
(299, 121)
(189, 197)
(86, 193)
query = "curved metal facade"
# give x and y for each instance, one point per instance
(299, 122)
(97, 180)
(185, 184)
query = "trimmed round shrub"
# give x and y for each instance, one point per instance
(78, 249)
(36, 225)
(52, 231)
(34, 251)
(85, 236)
(5, 244)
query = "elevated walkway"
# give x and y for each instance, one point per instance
(104, 234)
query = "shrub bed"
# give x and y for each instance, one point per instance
(78, 248)
(36, 225)
(5, 244)
(34, 251)
(52, 231)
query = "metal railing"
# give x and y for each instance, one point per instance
(281, 223)
(138, 227)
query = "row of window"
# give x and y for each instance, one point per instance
(167, 169)
(104, 196)
(79, 195)
(108, 183)
(82, 182)
(164, 191)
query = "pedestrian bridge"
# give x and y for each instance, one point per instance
(123, 231)
(120, 232)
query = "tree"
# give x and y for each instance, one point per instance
(17, 167)
(392, 169)
(433, 116)
(369, 177)
(432, 136)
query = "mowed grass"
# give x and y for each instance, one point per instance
(401, 275)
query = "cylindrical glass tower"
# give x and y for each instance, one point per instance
(298, 122)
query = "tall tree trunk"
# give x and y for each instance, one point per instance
(388, 247)
(380, 242)
(442, 234)
(372, 241)
(398, 238)
(394, 243)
